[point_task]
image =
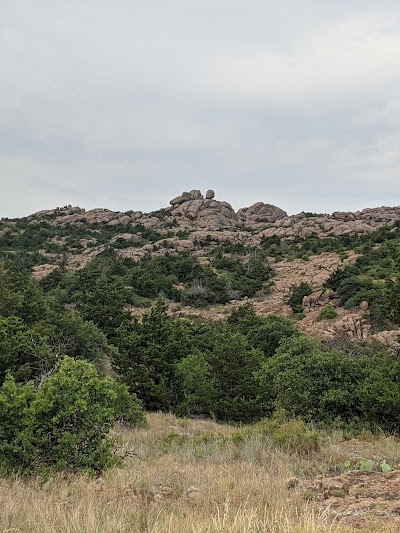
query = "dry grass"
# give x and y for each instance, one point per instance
(187, 476)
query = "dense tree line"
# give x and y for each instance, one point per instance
(57, 402)
(248, 367)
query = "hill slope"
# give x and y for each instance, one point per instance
(258, 253)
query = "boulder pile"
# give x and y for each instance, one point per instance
(204, 212)
(193, 211)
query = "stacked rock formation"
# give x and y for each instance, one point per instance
(204, 212)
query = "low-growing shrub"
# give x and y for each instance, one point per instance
(327, 313)
(297, 294)
(291, 435)
(173, 440)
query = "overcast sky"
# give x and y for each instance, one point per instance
(124, 104)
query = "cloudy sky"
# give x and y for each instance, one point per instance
(126, 103)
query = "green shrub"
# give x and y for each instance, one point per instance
(379, 391)
(312, 382)
(366, 465)
(172, 441)
(327, 313)
(297, 294)
(295, 436)
(292, 435)
(238, 438)
(63, 424)
(264, 333)
(385, 468)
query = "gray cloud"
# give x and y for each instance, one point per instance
(124, 104)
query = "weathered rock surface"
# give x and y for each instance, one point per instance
(391, 338)
(319, 299)
(314, 272)
(191, 211)
(357, 499)
(41, 271)
(202, 213)
(337, 224)
(260, 213)
(353, 325)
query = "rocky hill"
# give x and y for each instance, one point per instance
(192, 222)
(303, 248)
(191, 211)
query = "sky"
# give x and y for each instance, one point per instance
(124, 104)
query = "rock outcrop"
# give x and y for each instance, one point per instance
(191, 211)
(391, 338)
(199, 224)
(203, 213)
(210, 194)
(353, 325)
(359, 500)
(42, 271)
(319, 299)
(337, 224)
(260, 213)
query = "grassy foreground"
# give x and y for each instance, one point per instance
(187, 476)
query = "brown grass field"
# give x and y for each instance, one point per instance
(192, 476)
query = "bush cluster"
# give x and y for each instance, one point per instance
(327, 313)
(55, 408)
(248, 367)
(374, 278)
(63, 423)
(177, 277)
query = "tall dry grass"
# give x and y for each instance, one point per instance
(180, 476)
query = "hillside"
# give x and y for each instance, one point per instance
(191, 223)
(192, 341)
(189, 291)
(257, 254)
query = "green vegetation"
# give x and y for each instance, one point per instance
(291, 435)
(111, 282)
(44, 234)
(240, 370)
(327, 313)
(246, 277)
(303, 248)
(73, 359)
(79, 363)
(296, 296)
(317, 383)
(373, 278)
(62, 423)
(55, 410)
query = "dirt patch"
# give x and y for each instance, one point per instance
(357, 499)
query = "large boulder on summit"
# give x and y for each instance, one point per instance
(196, 194)
(260, 213)
(210, 194)
(184, 197)
(203, 213)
